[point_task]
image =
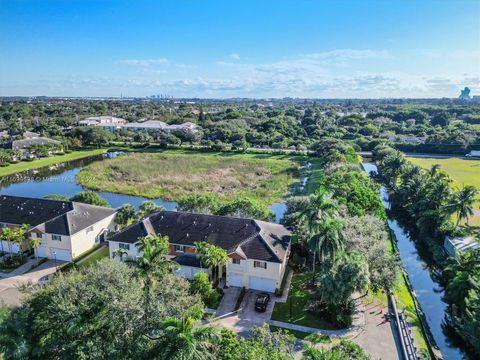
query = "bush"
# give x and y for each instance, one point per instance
(13, 261)
(318, 338)
(203, 286)
(298, 262)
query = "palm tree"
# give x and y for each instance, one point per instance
(318, 210)
(391, 167)
(120, 252)
(462, 203)
(211, 255)
(329, 240)
(186, 339)
(35, 243)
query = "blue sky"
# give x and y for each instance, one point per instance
(203, 48)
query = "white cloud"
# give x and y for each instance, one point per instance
(144, 62)
(234, 56)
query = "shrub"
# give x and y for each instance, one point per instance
(203, 286)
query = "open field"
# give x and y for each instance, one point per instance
(52, 160)
(461, 171)
(171, 174)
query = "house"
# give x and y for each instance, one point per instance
(24, 145)
(102, 120)
(67, 228)
(258, 251)
(455, 245)
(156, 125)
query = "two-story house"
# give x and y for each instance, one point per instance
(258, 251)
(66, 228)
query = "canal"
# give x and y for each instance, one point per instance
(427, 290)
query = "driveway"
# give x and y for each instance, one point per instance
(242, 321)
(10, 293)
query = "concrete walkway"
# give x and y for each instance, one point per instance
(22, 269)
(10, 293)
(228, 302)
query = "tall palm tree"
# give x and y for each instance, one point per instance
(186, 339)
(462, 203)
(35, 243)
(211, 255)
(329, 240)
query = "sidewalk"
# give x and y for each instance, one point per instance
(22, 269)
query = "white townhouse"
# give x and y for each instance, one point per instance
(67, 228)
(258, 251)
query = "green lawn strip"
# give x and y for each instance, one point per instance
(98, 255)
(173, 173)
(296, 333)
(300, 300)
(462, 171)
(52, 160)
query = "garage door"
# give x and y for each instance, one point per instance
(42, 251)
(263, 284)
(236, 280)
(60, 254)
(185, 272)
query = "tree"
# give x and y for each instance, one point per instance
(90, 197)
(246, 207)
(211, 255)
(57, 197)
(186, 339)
(125, 215)
(148, 207)
(204, 203)
(35, 243)
(441, 119)
(345, 350)
(14, 236)
(202, 285)
(120, 252)
(462, 203)
(329, 240)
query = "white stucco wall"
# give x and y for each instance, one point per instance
(131, 254)
(246, 268)
(87, 238)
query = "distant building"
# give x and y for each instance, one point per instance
(474, 153)
(104, 121)
(455, 245)
(25, 144)
(465, 94)
(408, 139)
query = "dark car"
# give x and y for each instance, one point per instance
(262, 301)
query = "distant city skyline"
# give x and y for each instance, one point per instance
(224, 49)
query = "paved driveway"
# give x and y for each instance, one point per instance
(247, 317)
(10, 293)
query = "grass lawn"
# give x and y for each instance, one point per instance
(300, 299)
(173, 173)
(98, 255)
(461, 171)
(52, 160)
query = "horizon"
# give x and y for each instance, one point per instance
(217, 50)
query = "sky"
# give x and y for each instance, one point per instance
(242, 48)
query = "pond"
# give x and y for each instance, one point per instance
(61, 179)
(423, 279)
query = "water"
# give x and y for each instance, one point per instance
(428, 291)
(61, 179)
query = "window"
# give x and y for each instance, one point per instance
(124, 246)
(179, 248)
(260, 264)
(236, 261)
(56, 237)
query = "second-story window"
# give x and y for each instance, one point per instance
(260, 264)
(56, 237)
(236, 261)
(124, 246)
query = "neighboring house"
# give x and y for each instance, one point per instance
(156, 125)
(24, 145)
(67, 228)
(455, 245)
(258, 251)
(106, 120)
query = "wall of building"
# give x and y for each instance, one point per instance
(87, 238)
(246, 268)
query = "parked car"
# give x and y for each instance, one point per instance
(261, 302)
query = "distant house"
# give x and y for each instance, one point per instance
(408, 139)
(455, 245)
(156, 125)
(66, 228)
(24, 145)
(96, 120)
(258, 251)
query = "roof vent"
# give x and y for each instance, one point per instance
(188, 235)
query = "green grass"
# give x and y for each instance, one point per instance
(98, 255)
(296, 333)
(300, 298)
(52, 160)
(173, 173)
(463, 172)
